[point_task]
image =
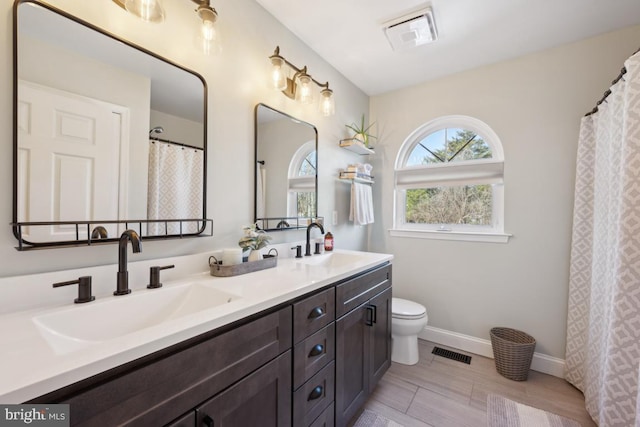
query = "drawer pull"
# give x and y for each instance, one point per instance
(315, 393)
(369, 317)
(316, 350)
(208, 421)
(316, 312)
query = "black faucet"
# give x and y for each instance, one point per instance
(307, 251)
(99, 233)
(122, 287)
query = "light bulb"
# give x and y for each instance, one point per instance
(147, 10)
(208, 38)
(278, 78)
(305, 89)
(327, 104)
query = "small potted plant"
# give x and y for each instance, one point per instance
(361, 132)
(253, 240)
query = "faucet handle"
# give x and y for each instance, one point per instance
(298, 251)
(84, 289)
(154, 276)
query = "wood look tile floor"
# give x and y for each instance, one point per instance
(440, 392)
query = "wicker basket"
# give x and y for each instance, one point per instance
(512, 351)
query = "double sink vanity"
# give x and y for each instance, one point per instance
(303, 343)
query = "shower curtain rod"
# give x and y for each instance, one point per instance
(608, 91)
(175, 143)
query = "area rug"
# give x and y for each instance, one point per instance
(502, 412)
(371, 419)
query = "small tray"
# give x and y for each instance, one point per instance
(217, 269)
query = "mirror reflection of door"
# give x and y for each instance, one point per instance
(68, 159)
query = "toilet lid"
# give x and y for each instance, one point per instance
(405, 309)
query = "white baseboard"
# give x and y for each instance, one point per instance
(541, 362)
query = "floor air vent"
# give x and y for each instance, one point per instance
(452, 355)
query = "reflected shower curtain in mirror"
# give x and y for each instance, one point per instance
(261, 190)
(175, 187)
(603, 325)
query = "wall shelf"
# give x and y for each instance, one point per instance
(83, 231)
(356, 177)
(355, 146)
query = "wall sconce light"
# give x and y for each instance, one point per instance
(147, 10)
(300, 86)
(207, 35)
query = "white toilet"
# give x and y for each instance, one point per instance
(407, 320)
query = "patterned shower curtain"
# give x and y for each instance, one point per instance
(603, 325)
(175, 187)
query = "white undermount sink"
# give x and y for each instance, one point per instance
(331, 259)
(82, 325)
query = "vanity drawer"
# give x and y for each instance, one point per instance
(312, 354)
(354, 292)
(312, 314)
(310, 400)
(326, 419)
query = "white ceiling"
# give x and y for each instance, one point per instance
(348, 34)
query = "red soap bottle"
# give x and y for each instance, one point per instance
(328, 242)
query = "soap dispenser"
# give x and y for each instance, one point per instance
(328, 242)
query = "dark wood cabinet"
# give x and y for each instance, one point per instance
(352, 363)
(261, 399)
(363, 340)
(380, 341)
(313, 354)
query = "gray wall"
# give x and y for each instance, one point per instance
(534, 104)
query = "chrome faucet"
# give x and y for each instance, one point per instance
(307, 248)
(122, 287)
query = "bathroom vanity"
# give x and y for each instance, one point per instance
(301, 344)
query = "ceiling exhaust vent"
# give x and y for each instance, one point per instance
(411, 30)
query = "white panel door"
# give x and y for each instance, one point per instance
(68, 156)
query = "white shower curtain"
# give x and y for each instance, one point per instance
(175, 187)
(261, 191)
(603, 325)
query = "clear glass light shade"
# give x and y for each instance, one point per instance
(327, 104)
(208, 38)
(304, 91)
(278, 76)
(147, 10)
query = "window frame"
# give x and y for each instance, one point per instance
(469, 172)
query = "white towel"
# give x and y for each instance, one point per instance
(361, 209)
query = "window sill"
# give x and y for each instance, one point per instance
(452, 235)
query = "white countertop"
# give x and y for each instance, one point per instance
(31, 367)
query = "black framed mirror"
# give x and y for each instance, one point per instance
(286, 178)
(107, 136)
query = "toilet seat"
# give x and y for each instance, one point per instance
(405, 309)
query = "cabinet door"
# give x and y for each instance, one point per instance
(261, 399)
(352, 363)
(380, 343)
(187, 420)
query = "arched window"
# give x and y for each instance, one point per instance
(301, 201)
(449, 182)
